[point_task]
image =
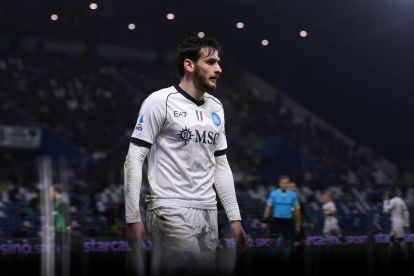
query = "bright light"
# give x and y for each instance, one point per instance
(131, 26)
(303, 33)
(201, 34)
(170, 16)
(265, 42)
(54, 17)
(240, 25)
(93, 6)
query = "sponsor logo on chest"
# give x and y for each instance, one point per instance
(197, 119)
(198, 136)
(179, 114)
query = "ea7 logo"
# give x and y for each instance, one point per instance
(180, 113)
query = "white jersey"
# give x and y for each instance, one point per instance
(330, 226)
(398, 210)
(184, 134)
(329, 207)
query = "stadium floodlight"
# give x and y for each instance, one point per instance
(201, 34)
(93, 6)
(170, 16)
(265, 42)
(239, 25)
(303, 33)
(131, 26)
(54, 17)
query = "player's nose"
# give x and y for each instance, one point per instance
(218, 69)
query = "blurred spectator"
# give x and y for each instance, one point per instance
(94, 104)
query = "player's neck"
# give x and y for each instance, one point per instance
(189, 87)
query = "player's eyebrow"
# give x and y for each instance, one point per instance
(213, 59)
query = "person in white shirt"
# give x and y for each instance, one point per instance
(330, 226)
(181, 132)
(400, 219)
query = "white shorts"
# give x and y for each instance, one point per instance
(397, 230)
(331, 228)
(183, 238)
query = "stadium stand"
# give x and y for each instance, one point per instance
(95, 94)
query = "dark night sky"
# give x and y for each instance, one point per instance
(355, 69)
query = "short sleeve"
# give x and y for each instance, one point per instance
(150, 119)
(270, 199)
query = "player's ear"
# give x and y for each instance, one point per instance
(188, 65)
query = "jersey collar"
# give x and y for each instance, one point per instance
(187, 96)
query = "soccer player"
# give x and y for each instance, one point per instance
(60, 211)
(400, 219)
(282, 205)
(330, 225)
(181, 131)
(60, 208)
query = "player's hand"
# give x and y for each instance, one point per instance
(297, 228)
(136, 233)
(239, 235)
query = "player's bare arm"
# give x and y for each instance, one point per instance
(266, 216)
(136, 232)
(240, 236)
(297, 218)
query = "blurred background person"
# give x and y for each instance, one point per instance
(61, 227)
(282, 214)
(330, 225)
(60, 210)
(400, 219)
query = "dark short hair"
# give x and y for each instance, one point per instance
(284, 176)
(56, 188)
(392, 192)
(190, 48)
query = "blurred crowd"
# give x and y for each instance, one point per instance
(94, 104)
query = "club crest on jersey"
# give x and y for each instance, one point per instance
(199, 115)
(185, 135)
(216, 118)
(140, 122)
